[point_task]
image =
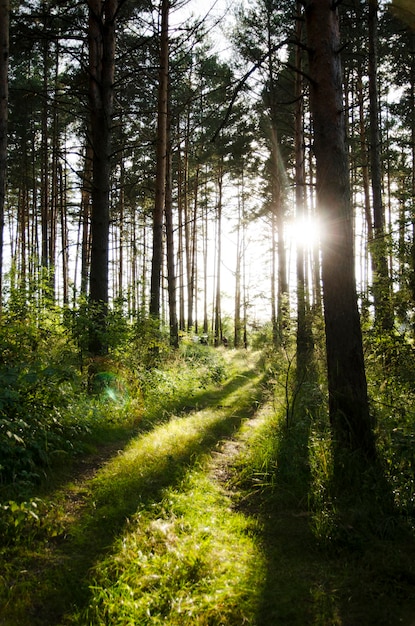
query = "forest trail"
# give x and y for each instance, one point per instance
(47, 581)
(170, 530)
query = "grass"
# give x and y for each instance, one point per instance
(47, 582)
(190, 559)
(321, 569)
(218, 516)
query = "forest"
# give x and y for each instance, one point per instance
(207, 312)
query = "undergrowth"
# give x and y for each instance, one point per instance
(48, 415)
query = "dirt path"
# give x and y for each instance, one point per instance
(45, 575)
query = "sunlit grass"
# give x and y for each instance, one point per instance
(189, 560)
(49, 582)
(210, 518)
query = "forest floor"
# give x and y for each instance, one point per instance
(161, 529)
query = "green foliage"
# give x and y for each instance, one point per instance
(38, 379)
(19, 520)
(45, 410)
(391, 371)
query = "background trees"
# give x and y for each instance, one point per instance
(241, 174)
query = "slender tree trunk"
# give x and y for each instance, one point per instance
(161, 157)
(237, 308)
(85, 218)
(191, 321)
(205, 268)
(304, 338)
(218, 307)
(121, 230)
(274, 315)
(64, 235)
(45, 174)
(278, 210)
(364, 160)
(244, 285)
(102, 17)
(180, 260)
(381, 282)
(180, 247)
(412, 101)
(171, 270)
(4, 64)
(315, 252)
(348, 402)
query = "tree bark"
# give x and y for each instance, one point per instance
(161, 166)
(218, 306)
(304, 336)
(412, 101)
(85, 218)
(348, 401)
(171, 269)
(381, 283)
(102, 18)
(237, 306)
(4, 65)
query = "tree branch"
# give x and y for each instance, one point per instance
(242, 82)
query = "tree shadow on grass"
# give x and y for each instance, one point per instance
(349, 571)
(56, 579)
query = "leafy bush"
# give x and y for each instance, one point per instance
(45, 410)
(391, 370)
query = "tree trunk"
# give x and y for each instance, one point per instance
(237, 308)
(274, 315)
(304, 338)
(45, 174)
(412, 101)
(171, 270)
(205, 271)
(102, 16)
(218, 307)
(348, 402)
(64, 236)
(4, 64)
(381, 283)
(85, 218)
(191, 256)
(161, 168)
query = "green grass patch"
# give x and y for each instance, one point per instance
(43, 582)
(323, 564)
(189, 560)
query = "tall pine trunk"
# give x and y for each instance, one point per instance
(218, 305)
(161, 165)
(171, 269)
(348, 401)
(381, 283)
(304, 337)
(101, 70)
(4, 63)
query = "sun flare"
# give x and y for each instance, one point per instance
(305, 232)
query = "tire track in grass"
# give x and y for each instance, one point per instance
(51, 584)
(190, 559)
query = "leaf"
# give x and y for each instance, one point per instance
(15, 437)
(13, 506)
